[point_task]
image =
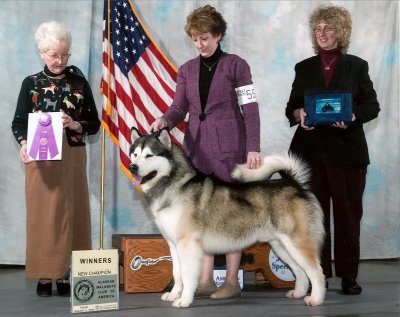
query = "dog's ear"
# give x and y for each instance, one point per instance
(135, 134)
(165, 138)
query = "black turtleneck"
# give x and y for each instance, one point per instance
(49, 73)
(208, 65)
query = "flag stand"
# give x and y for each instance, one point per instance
(102, 177)
(95, 273)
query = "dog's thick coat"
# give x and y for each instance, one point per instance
(197, 213)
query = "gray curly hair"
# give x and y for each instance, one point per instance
(336, 17)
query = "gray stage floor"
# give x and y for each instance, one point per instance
(380, 298)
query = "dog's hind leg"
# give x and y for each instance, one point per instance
(302, 282)
(176, 273)
(306, 255)
(190, 254)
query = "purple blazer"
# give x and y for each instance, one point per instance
(229, 131)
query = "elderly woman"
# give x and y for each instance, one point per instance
(224, 125)
(57, 202)
(337, 152)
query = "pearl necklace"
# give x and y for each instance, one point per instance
(328, 67)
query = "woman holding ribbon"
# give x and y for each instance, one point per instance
(223, 128)
(337, 151)
(57, 200)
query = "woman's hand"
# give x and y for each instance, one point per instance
(70, 123)
(301, 115)
(158, 124)
(342, 125)
(254, 160)
(23, 153)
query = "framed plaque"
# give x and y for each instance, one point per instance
(45, 132)
(328, 108)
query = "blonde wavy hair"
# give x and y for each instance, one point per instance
(338, 18)
(205, 20)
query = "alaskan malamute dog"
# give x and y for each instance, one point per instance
(197, 213)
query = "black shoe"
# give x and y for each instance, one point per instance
(350, 286)
(44, 290)
(63, 288)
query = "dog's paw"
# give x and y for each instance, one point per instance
(313, 301)
(294, 294)
(182, 303)
(169, 296)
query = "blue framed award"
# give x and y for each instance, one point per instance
(327, 108)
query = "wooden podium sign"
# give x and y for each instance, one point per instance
(145, 260)
(146, 265)
(94, 280)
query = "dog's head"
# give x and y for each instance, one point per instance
(150, 156)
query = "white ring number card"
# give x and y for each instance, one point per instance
(245, 94)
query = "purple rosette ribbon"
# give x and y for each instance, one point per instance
(44, 140)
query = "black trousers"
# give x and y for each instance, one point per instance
(344, 187)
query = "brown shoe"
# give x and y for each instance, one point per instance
(227, 291)
(205, 289)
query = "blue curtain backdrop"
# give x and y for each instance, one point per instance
(271, 35)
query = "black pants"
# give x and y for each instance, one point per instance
(344, 186)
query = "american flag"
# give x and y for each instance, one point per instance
(138, 81)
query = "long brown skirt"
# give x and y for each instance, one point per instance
(58, 214)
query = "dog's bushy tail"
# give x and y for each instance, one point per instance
(289, 164)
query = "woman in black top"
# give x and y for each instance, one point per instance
(337, 152)
(57, 200)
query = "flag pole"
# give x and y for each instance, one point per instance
(103, 136)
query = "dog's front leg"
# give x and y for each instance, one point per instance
(176, 291)
(190, 255)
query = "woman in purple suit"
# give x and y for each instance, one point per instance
(223, 128)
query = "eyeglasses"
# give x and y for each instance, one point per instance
(326, 29)
(63, 57)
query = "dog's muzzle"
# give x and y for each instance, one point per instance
(133, 168)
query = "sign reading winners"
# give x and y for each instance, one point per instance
(95, 281)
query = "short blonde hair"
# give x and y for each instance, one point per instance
(206, 20)
(51, 33)
(337, 18)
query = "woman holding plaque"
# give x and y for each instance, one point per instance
(336, 151)
(57, 200)
(223, 128)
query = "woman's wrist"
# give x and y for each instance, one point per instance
(163, 121)
(296, 115)
(78, 126)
